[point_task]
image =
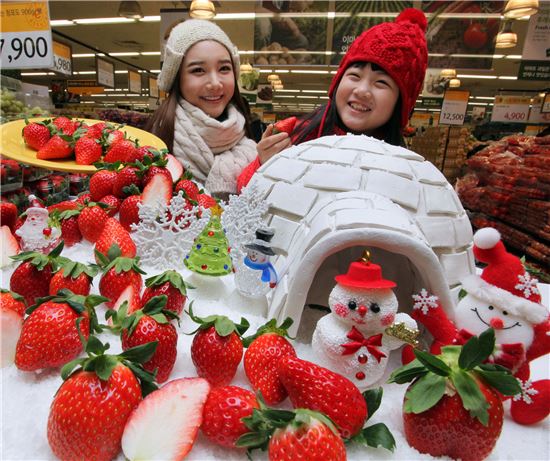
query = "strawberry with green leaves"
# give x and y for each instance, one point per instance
(129, 211)
(171, 284)
(73, 276)
(50, 337)
(112, 204)
(114, 234)
(102, 183)
(91, 221)
(148, 324)
(261, 359)
(58, 146)
(102, 392)
(118, 273)
(452, 407)
(121, 151)
(68, 221)
(87, 151)
(126, 177)
(189, 187)
(217, 349)
(8, 214)
(36, 134)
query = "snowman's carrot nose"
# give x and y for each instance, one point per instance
(496, 323)
(362, 310)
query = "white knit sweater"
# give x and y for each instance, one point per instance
(215, 152)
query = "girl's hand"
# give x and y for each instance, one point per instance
(272, 144)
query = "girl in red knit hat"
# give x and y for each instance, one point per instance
(373, 92)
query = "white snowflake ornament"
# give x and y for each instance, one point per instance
(528, 285)
(424, 301)
(527, 391)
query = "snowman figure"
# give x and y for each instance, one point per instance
(36, 233)
(506, 298)
(256, 275)
(356, 338)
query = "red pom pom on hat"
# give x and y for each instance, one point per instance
(415, 16)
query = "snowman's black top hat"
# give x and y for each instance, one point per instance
(261, 242)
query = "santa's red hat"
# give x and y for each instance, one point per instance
(504, 283)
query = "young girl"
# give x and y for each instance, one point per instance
(203, 121)
(372, 93)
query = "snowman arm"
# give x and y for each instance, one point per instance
(541, 342)
(437, 323)
(392, 342)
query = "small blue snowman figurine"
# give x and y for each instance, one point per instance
(257, 276)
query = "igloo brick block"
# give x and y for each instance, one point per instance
(403, 211)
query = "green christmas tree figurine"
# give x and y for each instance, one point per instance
(209, 254)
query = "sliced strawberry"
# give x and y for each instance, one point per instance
(12, 310)
(130, 296)
(174, 166)
(8, 246)
(157, 191)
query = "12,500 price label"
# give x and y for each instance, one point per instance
(452, 116)
(28, 49)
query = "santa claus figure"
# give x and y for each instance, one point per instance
(356, 338)
(504, 297)
(36, 233)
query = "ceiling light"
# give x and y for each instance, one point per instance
(506, 38)
(448, 73)
(273, 78)
(520, 8)
(102, 21)
(202, 9)
(488, 77)
(454, 83)
(130, 10)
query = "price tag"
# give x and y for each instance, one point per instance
(134, 82)
(453, 109)
(62, 59)
(26, 40)
(511, 109)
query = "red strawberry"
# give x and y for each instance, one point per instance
(449, 409)
(103, 396)
(155, 170)
(114, 136)
(316, 388)
(65, 125)
(84, 199)
(91, 222)
(73, 276)
(150, 323)
(70, 232)
(129, 211)
(261, 359)
(55, 148)
(166, 423)
(113, 204)
(293, 435)
(96, 130)
(206, 201)
(8, 214)
(189, 187)
(12, 310)
(114, 234)
(222, 413)
(36, 135)
(63, 206)
(142, 152)
(171, 284)
(49, 337)
(31, 279)
(102, 183)
(87, 151)
(120, 151)
(287, 125)
(118, 274)
(125, 178)
(217, 349)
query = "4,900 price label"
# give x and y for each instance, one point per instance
(27, 49)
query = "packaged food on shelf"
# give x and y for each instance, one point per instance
(78, 183)
(51, 189)
(19, 197)
(11, 175)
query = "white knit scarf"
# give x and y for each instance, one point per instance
(215, 152)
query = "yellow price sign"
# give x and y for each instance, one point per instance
(62, 58)
(26, 40)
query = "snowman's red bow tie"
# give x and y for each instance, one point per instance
(372, 343)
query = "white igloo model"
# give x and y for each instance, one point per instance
(331, 197)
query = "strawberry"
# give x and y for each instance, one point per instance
(87, 151)
(157, 191)
(142, 152)
(118, 274)
(292, 435)
(114, 234)
(9, 246)
(103, 392)
(68, 221)
(113, 204)
(8, 214)
(148, 324)
(31, 279)
(36, 135)
(63, 206)
(56, 147)
(120, 151)
(96, 130)
(129, 211)
(206, 201)
(50, 337)
(131, 297)
(217, 349)
(285, 126)
(65, 125)
(84, 199)
(125, 178)
(168, 283)
(451, 408)
(189, 187)
(102, 183)
(223, 412)
(165, 425)
(91, 222)
(73, 276)
(261, 359)
(12, 310)
(316, 388)
(174, 166)
(113, 136)
(155, 170)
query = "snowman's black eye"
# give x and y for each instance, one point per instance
(491, 308)
(505, 312)
(352, 305)
(375, 308)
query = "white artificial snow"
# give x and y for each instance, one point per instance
(26, 397)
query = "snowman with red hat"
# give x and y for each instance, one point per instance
(506, 298)
(356, 338)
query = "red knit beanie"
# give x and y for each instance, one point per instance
(397, 47)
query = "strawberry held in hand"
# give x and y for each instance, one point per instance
(90, 409)
(171, 284)
(285, 126)
(217, 349)
(452, 407)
